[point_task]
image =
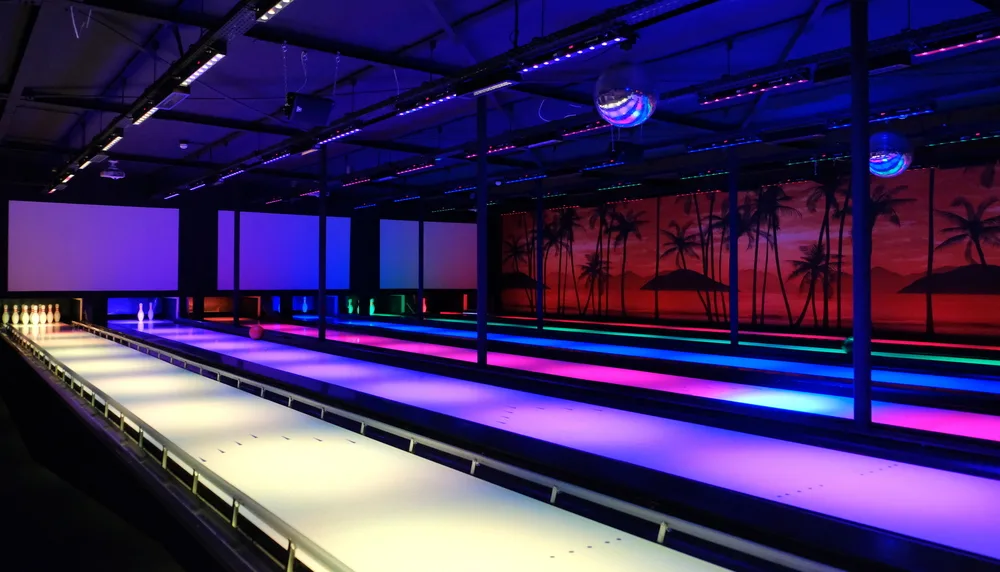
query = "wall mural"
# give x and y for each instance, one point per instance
(935, 256)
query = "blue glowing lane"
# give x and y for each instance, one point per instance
(761, 364)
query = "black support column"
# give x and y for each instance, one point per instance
(481, 220)
(236, 260)
(734, 253)
(861, 230)
(420, 263)
(539, 251)
(324, 180)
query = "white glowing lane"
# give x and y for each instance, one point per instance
(372, 506)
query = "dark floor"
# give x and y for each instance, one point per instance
(66, 502)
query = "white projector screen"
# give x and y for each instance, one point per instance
(398, 254)
(58, 247)
(281, 252)
(449, 255)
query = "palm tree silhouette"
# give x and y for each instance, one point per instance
(680, 243)
(593, 273)
(744, 227)
(600, 217)
(841, 212)
(972, 229)
(567, 221)
(550, 240)
(813, 267)
(826, 192)
(623, 226)
(882, 205)
(768, 211)
(516, 251)
(690, 202)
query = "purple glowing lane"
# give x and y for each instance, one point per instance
(960, 423)
(937, 506)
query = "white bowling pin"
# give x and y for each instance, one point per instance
(57, 315)
(152, 306)
(6, 315)
(48, 315)
(34, 314)
(25, 316)
(14, 319)
(305, 305)
(140, 315)
(41, 314)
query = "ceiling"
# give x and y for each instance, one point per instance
(69, 70)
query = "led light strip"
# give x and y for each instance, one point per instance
(231, 175)
(204, 68)
(196, 187)
(886, 116)
(415, 168)
(620, 186)
(443, 210)
(112, 143)
(705, 174)
(68, 178)
(152, 111)
(754, 90)
(494, 87)
(355, 182)
(460, 190)
(604, 165)
(272, 201)
(276, 159)
(982, 38)
(86, 164)
(820, 159)
(404, 199)
(725, 144)
(522, 179)
(338, 136)
(168, 197)
(587, 129)
(575, 50)
(492, 150)
(367, 206)
(967, 139)
(274, 11)
(427, 104)
(310, 194)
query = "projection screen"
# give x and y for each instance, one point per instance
(58, 247)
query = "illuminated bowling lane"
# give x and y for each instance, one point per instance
(937, 506)
(371, 506)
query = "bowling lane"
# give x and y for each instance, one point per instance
(346, 492)
(945, 421)
(937, 506)
(844, 373)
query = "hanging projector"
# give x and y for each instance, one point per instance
(113, 172)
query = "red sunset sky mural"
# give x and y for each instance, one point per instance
(667, 258)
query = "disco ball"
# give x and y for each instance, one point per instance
(623, 96)
(889, 154)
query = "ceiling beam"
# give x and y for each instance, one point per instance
(13, 99)
(24, 147)
(92, 104)
(991, 5)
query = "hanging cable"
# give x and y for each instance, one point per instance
(336, 76)
(397, 81)
(284, 64)
(304, 57)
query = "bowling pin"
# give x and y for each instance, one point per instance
(140, 315)
(48, 315)
(16, 317)
(25, 316)
(41, 314)
(34, 314)
(350, 305)
(152, 305)
(58, 315)
(6, 316)
(305, 305)
(371, 307)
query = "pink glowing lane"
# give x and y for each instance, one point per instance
(959, 423)
(937, 506)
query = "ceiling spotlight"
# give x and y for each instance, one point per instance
(207, 61)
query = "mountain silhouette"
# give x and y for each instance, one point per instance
(968, 280)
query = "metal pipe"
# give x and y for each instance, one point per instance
(860, 224)
(481, 249)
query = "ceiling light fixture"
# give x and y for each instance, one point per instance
(522, 179)
(168, 197)
(492, 150)
(272, 201)
(404, 199)
(232, 174)
(958, 43)
(415, 168)
(704, 175)
(68, 178)
(620, 186)
(276, 158)
(576, 49)
(588, 128)
(266, 15)
(196, 186)
(460, 190)
(427, 102)
(365, 206)
(755, 88)
(604, 165)
(338, 135)
(884, 116)
(355, 182)
(726, 143)
(113, 139)
(212, 56)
